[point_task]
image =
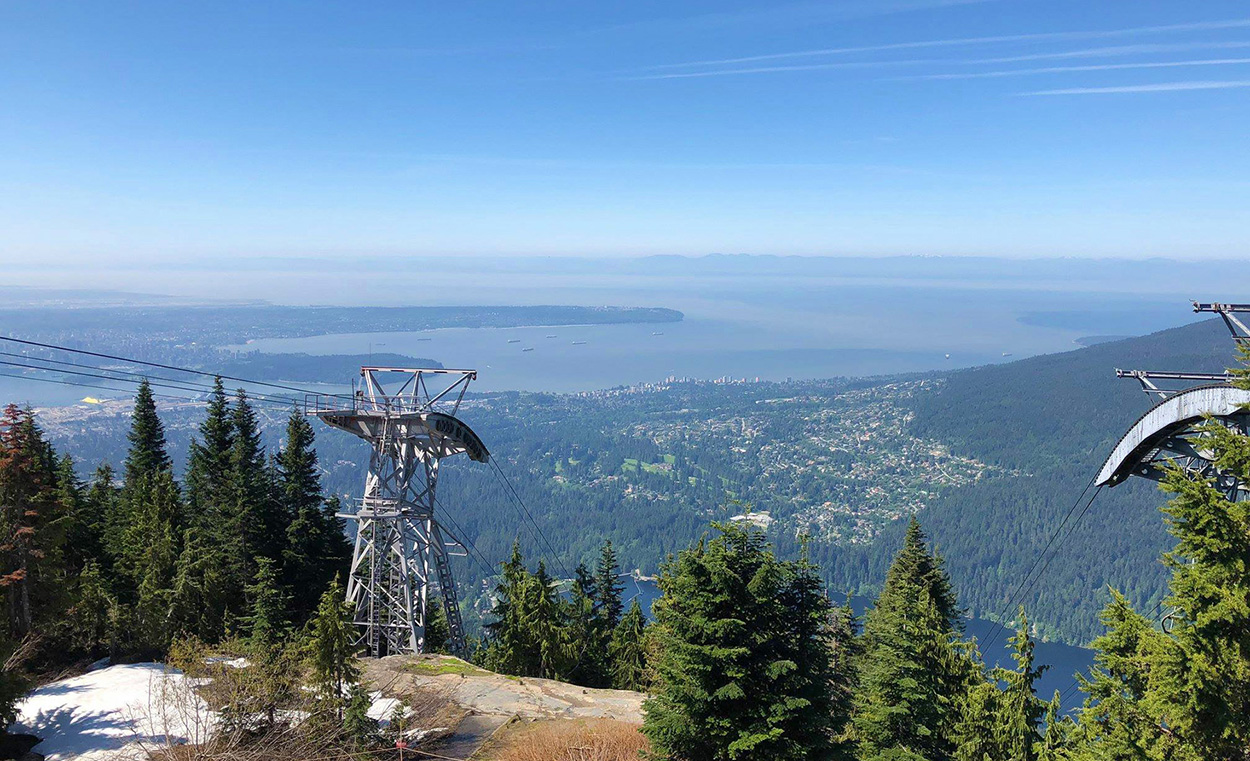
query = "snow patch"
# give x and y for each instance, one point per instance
(113, 712)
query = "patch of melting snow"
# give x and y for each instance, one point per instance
(113, 712)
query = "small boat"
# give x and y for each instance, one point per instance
(579, 343)
(514, 340)
(425, 339)
(551, 336)
(657, 332)
(948, 356)
(528, 348)
(1006, 354)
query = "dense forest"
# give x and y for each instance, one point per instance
(991, 458)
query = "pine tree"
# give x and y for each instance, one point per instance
(1019, 710)
(91, 618)
(252, 516)
(437, 630)
(331, 654)
(208, 466)
(267, 624)
(629, 651)
(83, 526)
(743, 670)
(586, 628)
(1186, 694)
(147, 455)
(197, 604)
(913, 668)
(150, 555)
(608, 588)
(104, 501)
(31, 540)
(1056, 738)
(315, 548)
(361, 729)
(1119, 721)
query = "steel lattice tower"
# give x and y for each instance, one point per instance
(400, 546)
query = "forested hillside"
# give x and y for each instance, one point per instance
(992, 459)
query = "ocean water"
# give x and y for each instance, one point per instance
(745, 327)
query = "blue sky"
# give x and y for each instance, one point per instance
(170, 131)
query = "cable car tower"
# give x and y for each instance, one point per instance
(408, 416)
(1168, 433)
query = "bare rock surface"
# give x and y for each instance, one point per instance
(485, 692)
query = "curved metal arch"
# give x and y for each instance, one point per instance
(1164, 434)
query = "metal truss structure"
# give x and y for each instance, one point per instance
(1170, 433)
(408, 416)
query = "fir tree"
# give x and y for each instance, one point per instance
(629, 651)
(914, 670)
(315, 548)
(1056, 739)
(147, 455)
(83, 526)
(743, 670)
(91, 618)
(104, 501)
(608, 588)
(437, 630)
(30, 515)
(208, 466)
(361, 729)
(150, 555)
(331, 654)
(1019, 710)
(586, 628)
(267, 624)
(198, 605)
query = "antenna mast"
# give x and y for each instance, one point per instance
(408, 416)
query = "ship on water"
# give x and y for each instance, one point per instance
(579, 343)
(528, 348)
(514, 340)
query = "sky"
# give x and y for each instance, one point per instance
(211, 132)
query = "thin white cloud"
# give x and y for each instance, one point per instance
(1159, 87)
(1091, 67)
(1109, 51)
(966, 41)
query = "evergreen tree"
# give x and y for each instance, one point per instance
(744, 671)
(30, 516)
(608, 588)
(83, 525)
(90, 620)
(629, 651)
(586, 628)
(147, 455)
(1119, 722)
(315, 548)
(1186, 694)
(1019, 711)
(253, 518)
(267, 624)
(331, 654)
(529, 635)
(361, 729)
(198, 605)
(103, 501)
(914, 670)
(150, 555)
(208, 466)
(1056, 738)
(437, 630)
